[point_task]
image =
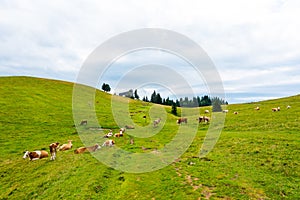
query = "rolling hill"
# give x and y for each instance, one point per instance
(256, 157)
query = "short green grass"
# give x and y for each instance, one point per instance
(256, 157)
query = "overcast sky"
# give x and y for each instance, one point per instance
(255, 45)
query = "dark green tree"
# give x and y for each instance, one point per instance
(174, 109)
(105, 87)
(216, 104)
(136, 96)
(153, 97)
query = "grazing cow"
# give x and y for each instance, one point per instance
(235, 112)
(200, 119)
(123, 130)
(206, 119)
(120, 134)
(66, 146)
(225, 111)
(108, 143)
(206, 111)
(257, 108)
(128, 127)
(89, 149)
(109, 134)
(35, 155)
(276, 109)
(156, 122)
(181, 120)
(53, 147)
(288, 107)
(83, 123)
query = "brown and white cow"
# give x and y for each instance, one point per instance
(276, 109)
(53, 148)
(109, 134)
(181, 120)
(204, 119)
(66, 146)
(90, 149)
(35, 155)
(200, 119)
(156, 122)
(120, 134)
(108, 143)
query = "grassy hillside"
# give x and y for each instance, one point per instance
(256, 157)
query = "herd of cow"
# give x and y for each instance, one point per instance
(54, 147)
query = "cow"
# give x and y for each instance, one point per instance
(109, 134)
(108, 143)
(128, 127)
(200, 119)
(123, 130)
(53, 147)
(206, 119)
(181, 120)
(89, 149)
(156, 122)
(120, 134)
(66, 146)
(35, 155)
(83, 123)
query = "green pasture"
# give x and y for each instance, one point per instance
(256, 157)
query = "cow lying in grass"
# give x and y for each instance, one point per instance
(35, 155)
(120, 134)
(109, 134)
(89, 149)
(108, 143)
(276, 109)
(65, 147)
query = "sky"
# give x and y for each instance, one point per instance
(254, 45)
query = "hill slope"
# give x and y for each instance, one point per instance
(256, 157)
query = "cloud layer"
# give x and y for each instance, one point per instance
(255, 45)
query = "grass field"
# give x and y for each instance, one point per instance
(256, 157)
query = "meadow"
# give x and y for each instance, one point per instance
(256, 157)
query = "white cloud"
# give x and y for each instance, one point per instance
(253, 43)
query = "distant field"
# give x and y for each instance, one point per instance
(256, 157)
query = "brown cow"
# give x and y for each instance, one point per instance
(109, 143)
(66, 146)
(35, 155)
(181, 120)
(53, 147)
(90, 149)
